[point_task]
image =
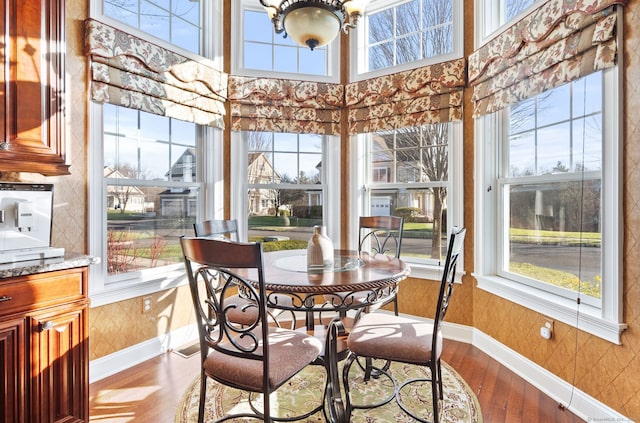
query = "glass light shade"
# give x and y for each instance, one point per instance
(312, 26)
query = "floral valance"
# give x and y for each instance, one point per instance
(131, 72)
(559, 42)
(279, 105)
(426, 95)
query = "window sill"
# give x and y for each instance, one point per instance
(584, 317)
(132, 288)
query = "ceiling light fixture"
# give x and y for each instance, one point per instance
(314, 23)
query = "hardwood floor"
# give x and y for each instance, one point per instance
(151, 391)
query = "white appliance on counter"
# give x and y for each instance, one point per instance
(25, 222)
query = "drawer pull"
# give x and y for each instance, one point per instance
(5, 298)
(46, 326)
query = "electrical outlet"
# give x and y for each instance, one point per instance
(546, 330)
(146, 304)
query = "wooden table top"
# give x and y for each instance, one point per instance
(286, 271)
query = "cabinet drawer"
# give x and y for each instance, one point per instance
(37, 291)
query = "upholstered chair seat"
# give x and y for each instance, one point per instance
(290, 352)
(394, 338)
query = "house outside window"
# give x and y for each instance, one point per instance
(414, 173)
(286, 185)
(152, 189)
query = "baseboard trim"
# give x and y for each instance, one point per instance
(581, 404)
(575, 400)
(121, 360)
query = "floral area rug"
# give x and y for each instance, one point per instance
(304, 392)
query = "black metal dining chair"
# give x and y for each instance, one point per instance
(217, 228)
(392, 338)
(258, 357)
(244, 313)
(381, 235)
(376, 235)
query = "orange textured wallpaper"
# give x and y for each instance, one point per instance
(123, 324)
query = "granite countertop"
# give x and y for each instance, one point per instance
(30, 267)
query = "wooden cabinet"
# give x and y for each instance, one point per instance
(32, 49)
(44, 346)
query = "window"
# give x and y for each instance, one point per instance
(286, 184)
(151, 177)
(151, 190)
(174, 21)
(259, 51)
(549, 205)
(399, 35)
(494, 14)
(414, 173)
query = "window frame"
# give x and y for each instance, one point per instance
(488, 18)
(210, 164)
(237, 50)
(105, 289)
(430, 269)
(358, 54)
(330, 177)
(605, 322)
(211, 42)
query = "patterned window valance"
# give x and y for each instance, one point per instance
(279, 105)
(131, 72)
(426, 95)
(559, 42)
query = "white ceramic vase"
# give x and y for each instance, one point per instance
(320, 249)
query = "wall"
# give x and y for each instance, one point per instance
(607, 372)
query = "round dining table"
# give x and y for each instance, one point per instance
(357, 280)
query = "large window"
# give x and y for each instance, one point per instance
(286, 185)
(414, 173)
(398, 35)
(151, 189)
(258, 50)
(151, 177)
(175, 21)
(549, 205)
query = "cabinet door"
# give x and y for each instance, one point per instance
(32, 110)
(60, 365)
(12, 368)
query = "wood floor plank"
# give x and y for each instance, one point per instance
(151, 391)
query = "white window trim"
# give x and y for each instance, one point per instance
(210, 161)
(105, 290)
(488, 19)
(358, 170)
(606, 322)
(358, 55)
(237, 50)
(330, 193)
(212, 41)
